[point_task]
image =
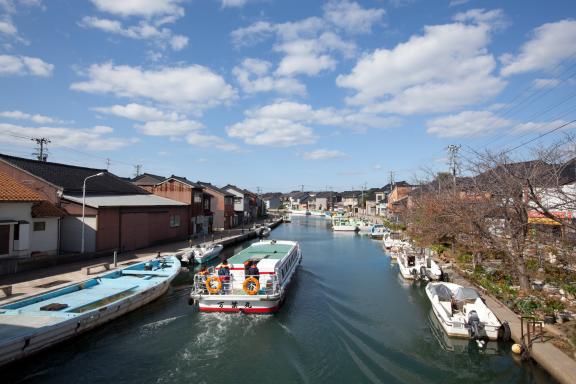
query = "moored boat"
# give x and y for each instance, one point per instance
(418, 266)
(462, 312)
(286, 219)
(204, 253)
(35, 323)
(242, 290)
(378, 231)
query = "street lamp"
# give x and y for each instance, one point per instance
(84, 204)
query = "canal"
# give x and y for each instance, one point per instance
(348, 318)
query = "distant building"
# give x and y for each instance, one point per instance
(147, 181)
(222, 206)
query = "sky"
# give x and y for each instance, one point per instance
(278, 95)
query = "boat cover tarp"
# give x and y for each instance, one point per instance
(466, 294)
(443, 292)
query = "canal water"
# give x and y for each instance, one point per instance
(348, 318)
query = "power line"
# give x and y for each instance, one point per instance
(540, 136)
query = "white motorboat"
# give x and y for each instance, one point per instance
(300, 212)
(392, 239)
(344, 225)
(277, 262)
(378, 231)
(418, 266)
(206, 252)
(286, 219)
(261, 230)
(462, 312)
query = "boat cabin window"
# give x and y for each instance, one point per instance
(411, 260)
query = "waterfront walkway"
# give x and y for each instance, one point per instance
(34, 282)
(550, 357)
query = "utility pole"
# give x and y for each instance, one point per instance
(138, 169)
(108, 164)
(302, 190)
(391, 180)
(41, 152)
(453, 161)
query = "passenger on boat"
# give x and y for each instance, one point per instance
(254, 271)
(247, 265)
(224, 275)
(203, 273)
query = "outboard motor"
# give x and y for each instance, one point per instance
(476, 327)
(423, 273)
(414, 273)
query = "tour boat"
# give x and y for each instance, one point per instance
(205, 253)
(277, 262)
(32, 324)
(462, 312)
(378, 231)
(418, 266)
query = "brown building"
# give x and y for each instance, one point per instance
(193, 195)
(118, 214)
(222, 206)
(147, 181)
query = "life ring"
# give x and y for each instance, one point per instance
(251, 285)
(213, 284)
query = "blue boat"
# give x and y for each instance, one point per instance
(32, 324)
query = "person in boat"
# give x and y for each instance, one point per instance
(224, 275)
(203, 273)
(247, 265)
(253, 271)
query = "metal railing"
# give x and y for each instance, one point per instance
(233, 286)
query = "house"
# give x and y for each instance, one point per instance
(181, 189)
(29, 225)
(241, 204)
(398, 201)
(272, 200)
(350, 201)
(222, 206)
(116, 214)
(147, 181)
(324, 201)
(298, 200)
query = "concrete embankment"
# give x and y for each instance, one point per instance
(557, 363)
(35, 282)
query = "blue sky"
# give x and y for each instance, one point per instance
(278, 94)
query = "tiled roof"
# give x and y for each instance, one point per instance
(214, 188)
(11, 190)
(184, 180)
(46, 209)
(157, 178)
(70, 178)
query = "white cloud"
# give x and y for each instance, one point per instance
(323, 154)
(311, 56)
(447, 67)
(538, 126)
(96, 138)
(550, 44)
(351, 17)
(169, 128)
(24, 65)
(454, 3)
(19, 115)
(140, 112)
(211, 141)
(194, 87)
(272, 132)
(495, 18)
(233, 3)
(141, 8)
(308, 46)
(288, 123)
(466, 124)
(141, 31)
(7, 27)
(178, 42)
(254, 76)
(545, 83)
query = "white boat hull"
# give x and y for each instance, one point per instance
(204, 257)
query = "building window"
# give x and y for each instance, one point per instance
(197, 198)
(206, 204)
(174, 221)
(39, 226)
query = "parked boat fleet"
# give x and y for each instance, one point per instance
(254, 280)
